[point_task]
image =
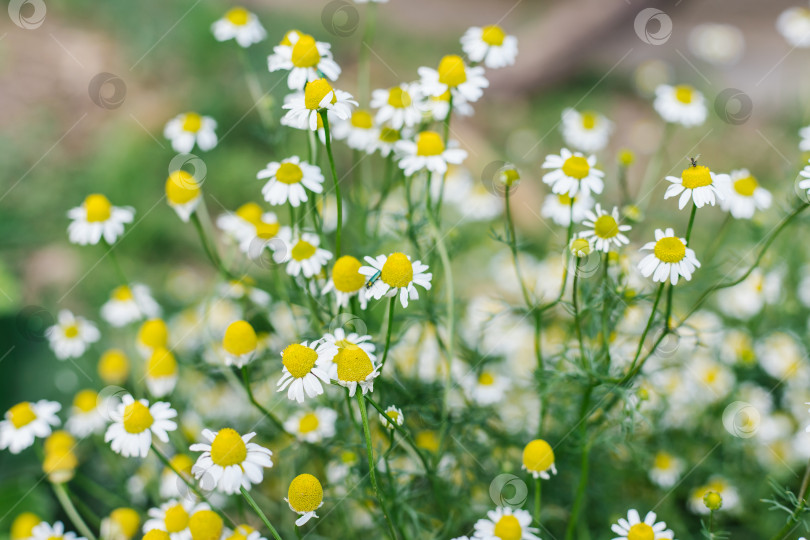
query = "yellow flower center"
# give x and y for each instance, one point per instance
(303, 250)
(122, 293)
(508, 528)
(670, 249)
(626, 157)
(86, 400)
(399, 98)
(580, 247)
(192, 122)
(397, 271)
(684, 94)
(156, 534)
(21, 414)
(564, 199)
(241, 532)
(161, 364)
(298, 360)
(486, 379)
(137, 418)
(23, 524)
(444, 96)
(305, 53)
(98, 208)
(205, 525)
(641, 531)
(746, 186)
(154, 333)
(393, 415)
(176, 518)
(182, 463)
(389, 135)
(308, 423)
(606, 227)
(59, 441)
(362, 119)
(181, 187)
(305, 493)
(286, 39)
(427, 440)
(113, 366)
(429, 143)
(71, 331)
(289, 173)
(240, 338)
(127, 520)
(452, 71)
(576, 167)
(250, 212)
(353, 364)
(346, 275)
(589, 120)
(314, 93)
(266, 231)
(695, 177)
(538, 456)
(493, 35)
(60, 464)
(662, 461)
(238, 16)
(228, 448)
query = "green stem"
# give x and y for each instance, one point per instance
(391, 305)
(259, 512)
(328, 139)
(64, 499)
(691, 222)
(648, 326)
(668, 312)
(537, 500)
(794, 517)
(255, 89)
(577, 321)
(511, 238)
(579, 499)
(605, 307)
(273, 418)
(209, 250)
(116, 263)
(446, 142)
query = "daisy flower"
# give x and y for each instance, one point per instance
(573, 173)
(305, 59)
(242, 532)
(666, 469)
(436, 108)
(161, 372)
(397, 106)
(794, 25)
(633, 528)
(187, 129)
(697, 183)
(71, 335)
(346, 281)
(230, 461)
(86, 414)
(358, 131)
(670, 258)
(97, 218)
(604, 229)
(26, 421)
(183, 194)
(557, 208)
(580, 247)
(260, 236)
(288, 179)
(121, 524)
(153, 334)
(729, 494)
(505, 523)
(334, 344)
(303, 108)
(46, 531)
(241, 223)
(395, 414)
(203, 525)
(588, 131)
(395, 274)
(680, 104)
(113, 366)
(239, 344)
(455, 76)
(172, 516)
(23, 525)
(171, 485)
(427, 152)
(313, 426)
(742, 194)
(301, 253)
(129, 303)
(385, 140)
(355, 366)
(485, 388)
(301, 372)
(241, 25)
(304, 496)
(134, 423)
(491, 45)
(59, 461)
(538, 459)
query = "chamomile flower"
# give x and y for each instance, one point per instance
(190, 128)
(113, 366)
(183, 194)
(171, 485)
(288, 181)
(346, 281)
(239, 344)
(385, 140)
(698, 183)
(633, 528)
(333, 345)
(398, 105)
(436, 108)
(242, 532)
(557, 208)
(303, 108)
(173, 516)
(355, 367)
(395, 274)
(97, 218)
(46, 531)
(680, 104)
(71, 335)
(86, 414)
(153, 334)
(395, 414)
(666, 469)
(742, 194)
(230, 461)
(427, 151)
(729, 494)
(301, 374)
(241, 25)
(604, 229)
(121, 524)
(23, 525)
(260, 235)
(454, 75)
(491, 45)
(358, 131)
(134, 424)
(161, 372)
(203, 524)
(485, 388)
(538, 459)
(129, 303)
(588, 131)
(301, 252)
(305, 495)
(670, 258)
(305, 59)
(312, 426)
(504, 522)
(573, 173)
(794, 25)
(26, 421)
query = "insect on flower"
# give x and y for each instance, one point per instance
(373, 278)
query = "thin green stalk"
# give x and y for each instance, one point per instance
(711, 525)
(404, 434)
(794, 517)
(392, 302)
(255, 89)
(668, 312)
(446, 142)
(605, 307)
(209, 250)
(328, 142)
(579, 498)
(691, 223)
(577, 321)
(259, 512)
(511, 238)
(273, 418)
(648, 326)
(60, 490)
(116, 263)
(537, 500)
